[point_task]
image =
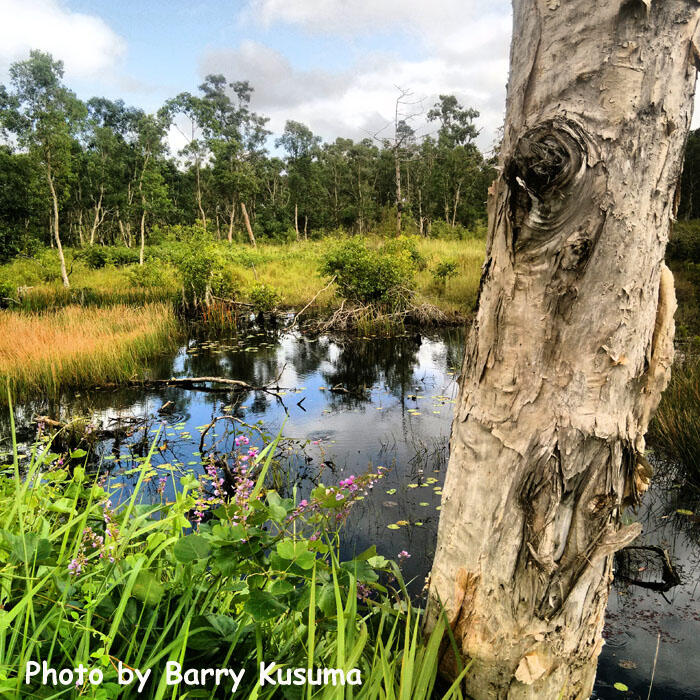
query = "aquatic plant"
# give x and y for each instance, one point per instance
(201, 581)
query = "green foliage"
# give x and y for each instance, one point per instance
(95, 257)
(153, 274)
(8, 294)
(684, 241)
(91, 580)
(264, 298)
(204, 272)
(444, 270)
(370, 275)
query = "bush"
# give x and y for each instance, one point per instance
(204, 272)
(8, 294)
(121, 255)
(264, 298)
(369, 275)
(95, 257)
(684, 241)
(444, 270)
(153, 274)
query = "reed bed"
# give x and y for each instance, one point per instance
(676, 427)
(44, 353)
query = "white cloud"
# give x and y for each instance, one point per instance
(460, 48)
(85, 43)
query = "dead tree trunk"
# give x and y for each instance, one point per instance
(572, 344)
(56, 229)
(249, 228)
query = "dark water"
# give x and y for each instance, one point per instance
(394, 409)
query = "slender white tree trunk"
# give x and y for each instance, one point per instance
(572, 343)
(249, 228)
(56, 230)
(230, 221)
(142, 247)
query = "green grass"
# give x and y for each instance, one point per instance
(291, 269)
(249, 586)
(44, 353)
(675, 429)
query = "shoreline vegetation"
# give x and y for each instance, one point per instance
(226, 573)
(73, 347)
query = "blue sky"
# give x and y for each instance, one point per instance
(333, 64)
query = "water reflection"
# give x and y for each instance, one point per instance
(352, 405)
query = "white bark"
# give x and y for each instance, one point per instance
(56, 230)
(572, 344)
(249, 228)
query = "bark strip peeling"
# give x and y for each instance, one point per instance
(572, 344)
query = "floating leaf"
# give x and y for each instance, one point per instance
(393, 526)
(621, 687)
(683, 511)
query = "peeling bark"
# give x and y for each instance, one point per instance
(572, 344)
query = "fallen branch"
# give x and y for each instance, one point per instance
(320, 291)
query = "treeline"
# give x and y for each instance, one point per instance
(100, 172)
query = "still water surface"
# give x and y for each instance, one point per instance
(393, 407)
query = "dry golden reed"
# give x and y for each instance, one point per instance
(76, 346)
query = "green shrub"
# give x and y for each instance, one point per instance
(204, 272)
(684, 241)
(153, 274)
(264, 298)
(444, 270)
(95, 257)
(369, 275)
(121, 255)
(8, 294)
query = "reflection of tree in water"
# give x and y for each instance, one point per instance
(308, 354)
(362, 364)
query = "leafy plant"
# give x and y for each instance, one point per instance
(264, 298)
(369, 275)
(444, 270)
(218, 572)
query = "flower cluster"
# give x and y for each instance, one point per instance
(93, 542)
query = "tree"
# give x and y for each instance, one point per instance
(690, 183)
(151, 185)
(572, 343)
(45, 116)
(302, 148)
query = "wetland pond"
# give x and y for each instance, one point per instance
(353, 405)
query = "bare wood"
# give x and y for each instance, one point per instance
(573, 340)
(248, 227)
(313, 299)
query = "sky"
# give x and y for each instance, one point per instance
(335, 65)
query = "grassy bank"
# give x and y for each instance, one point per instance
(292, 270)
(44, 352)
(207, 580)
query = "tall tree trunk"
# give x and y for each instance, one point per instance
(202, 215)
(572, 344)
(456, 205)
(296, 219)
(249, 228)
(143, 234)
(399, 203)
(98, 218)
(56, 230)
(231, 219)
